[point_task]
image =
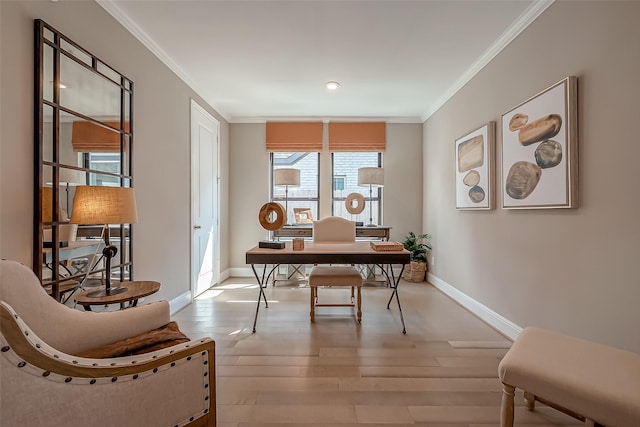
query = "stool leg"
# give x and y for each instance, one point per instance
(359, 304)
(312, 312)
(530, 400)
(506, 409)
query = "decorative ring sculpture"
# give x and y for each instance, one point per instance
(359, 199)
(264, 216)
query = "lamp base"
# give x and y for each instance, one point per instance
(104, 293)
(371, 225)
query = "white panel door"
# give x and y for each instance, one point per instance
(205, 242)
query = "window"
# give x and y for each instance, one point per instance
(345, 167)
(302, 197)
(105, 162)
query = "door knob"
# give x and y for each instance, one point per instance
(196, 227)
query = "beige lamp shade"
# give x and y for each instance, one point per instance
(104, 205)
(371, 176)
(286, 176)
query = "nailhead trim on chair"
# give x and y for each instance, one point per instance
(46, 349)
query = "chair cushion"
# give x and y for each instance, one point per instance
(156, 339)
(323, 275)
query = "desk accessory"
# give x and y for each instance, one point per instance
(269, 244)
(287, 177)
(373, 177)
(271, 224)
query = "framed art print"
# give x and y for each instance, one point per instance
(540, 150)
(474, 168)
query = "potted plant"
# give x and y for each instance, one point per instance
(419, 248)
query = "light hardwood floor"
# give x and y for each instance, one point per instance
(334, 372)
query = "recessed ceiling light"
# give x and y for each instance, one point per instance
(332, 85)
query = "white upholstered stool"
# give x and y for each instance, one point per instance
(335, 276)
(592, 382)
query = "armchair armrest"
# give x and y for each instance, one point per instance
(172, 386)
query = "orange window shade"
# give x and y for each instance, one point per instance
(366, 136)
(294, 136)
(89, 137)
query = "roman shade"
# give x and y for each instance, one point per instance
(365, 136)
(88, 137)
(294, 136)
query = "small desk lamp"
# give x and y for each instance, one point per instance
(287, 177)
(373, 177)
(105, 205)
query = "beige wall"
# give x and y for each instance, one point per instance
(249, 166)
(161, 150)
(570, 270)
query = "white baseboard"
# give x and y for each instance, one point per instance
(179, 302)
(224, 276)
(500, 323)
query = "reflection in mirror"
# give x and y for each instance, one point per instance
(47, 133)
(75, 52)
(47, 59)
(82, 137)
(104, 102)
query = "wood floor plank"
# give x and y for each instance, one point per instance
(336, 372)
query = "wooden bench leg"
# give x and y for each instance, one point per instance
(312, 312)
(530, 400)
(506, 409)
(359, 304)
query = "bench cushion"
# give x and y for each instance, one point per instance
(599, 382)
(334, 275)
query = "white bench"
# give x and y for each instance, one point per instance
(597, 384)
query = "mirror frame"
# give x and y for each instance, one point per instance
(47, 36)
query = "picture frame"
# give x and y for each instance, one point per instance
(540, 150)
(303, 215)
(474, 155)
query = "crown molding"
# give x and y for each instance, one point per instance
(325, 119)
(523, 21)
(124, 19)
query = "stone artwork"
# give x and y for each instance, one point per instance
(473, 168)
(524, 176)
(536, 147)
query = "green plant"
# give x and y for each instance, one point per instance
(418, 246)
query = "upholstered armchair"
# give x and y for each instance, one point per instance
(45, 383)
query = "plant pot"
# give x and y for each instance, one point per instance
(415, 272)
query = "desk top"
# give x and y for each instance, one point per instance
(76, 249)
(135, 290)
(359, 252)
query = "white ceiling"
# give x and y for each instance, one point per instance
(396, 60)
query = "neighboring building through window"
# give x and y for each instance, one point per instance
(345, 167)
(105, 162)
(304, 197)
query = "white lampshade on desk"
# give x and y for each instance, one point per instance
(287, 177)
(372, 177)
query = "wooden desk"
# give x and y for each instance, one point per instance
(135, 290)
(379, 232)
(359, 252)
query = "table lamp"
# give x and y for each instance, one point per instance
(105, 205)
(373, 177)
(287, 177)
